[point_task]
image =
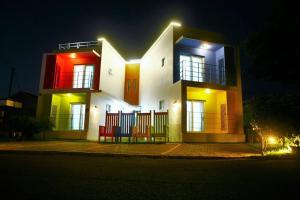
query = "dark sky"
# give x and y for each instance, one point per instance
(31, 28)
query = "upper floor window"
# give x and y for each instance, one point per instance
(192, 68)
(161, 105)
(83, 76)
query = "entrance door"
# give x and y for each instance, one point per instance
(77, 116)
(195, 116)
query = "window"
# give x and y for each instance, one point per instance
(161, 105)
(163, 62)
(192, 68)
(108, 107)
(195, 116)
(77, 116)
(83, 76)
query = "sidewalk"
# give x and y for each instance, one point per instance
(170, 150)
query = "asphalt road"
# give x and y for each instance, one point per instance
(71, 177)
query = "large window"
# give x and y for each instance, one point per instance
(83, 76)
(77, 116)
(192, 68)
(195, 116)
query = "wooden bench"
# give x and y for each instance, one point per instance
(127, 123)
(143, 126)
(111, 128)
(161, 126)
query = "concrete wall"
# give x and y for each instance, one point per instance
(112, 72)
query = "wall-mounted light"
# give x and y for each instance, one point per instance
(207, 91)
(205, 46)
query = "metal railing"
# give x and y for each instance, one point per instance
(78, 45)
(202, 72)
(74, 80)
(67, 122)
(204, 122)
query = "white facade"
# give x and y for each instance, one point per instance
(112, 71)
(156, 75)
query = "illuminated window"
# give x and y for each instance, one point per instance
(83, 76)
(192, 68)
(195, 116)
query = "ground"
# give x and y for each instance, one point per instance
(240, 150)
(58, 176)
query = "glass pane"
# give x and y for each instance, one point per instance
(185, 67)
(78, 76)
(189, 116)
(197, 115)
(77, 116)
(88, 76)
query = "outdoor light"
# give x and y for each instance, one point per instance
(133, 61)
(101, 39)
(173, 23)
(205, 46)
(271, 140)
(73, 55)
(207, 91)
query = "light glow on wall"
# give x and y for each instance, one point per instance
(133, 61)
(72, 55)
(207, 91)
(205, 46)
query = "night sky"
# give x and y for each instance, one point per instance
(31, 28)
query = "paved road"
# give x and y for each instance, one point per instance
(91, 177)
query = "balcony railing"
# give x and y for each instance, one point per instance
(69, 80)
(204, 122)
(67, 122)
(202, 72)
(78, 45)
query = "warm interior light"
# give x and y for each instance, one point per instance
(69, 94)
(271, 140)
(205, 46)
(73, 55)
(207, 91)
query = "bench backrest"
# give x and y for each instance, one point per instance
(127, 122)
(161, 122)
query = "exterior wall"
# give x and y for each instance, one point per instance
(157, 82)
(112, 74)
(97, 112)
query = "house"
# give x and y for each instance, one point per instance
(193, 74)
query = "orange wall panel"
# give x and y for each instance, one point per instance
(132, 84)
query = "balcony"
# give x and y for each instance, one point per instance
(202, 72)
(75, 80)
(78, 45)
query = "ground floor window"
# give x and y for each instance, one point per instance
(77, 116)
(195, 115)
